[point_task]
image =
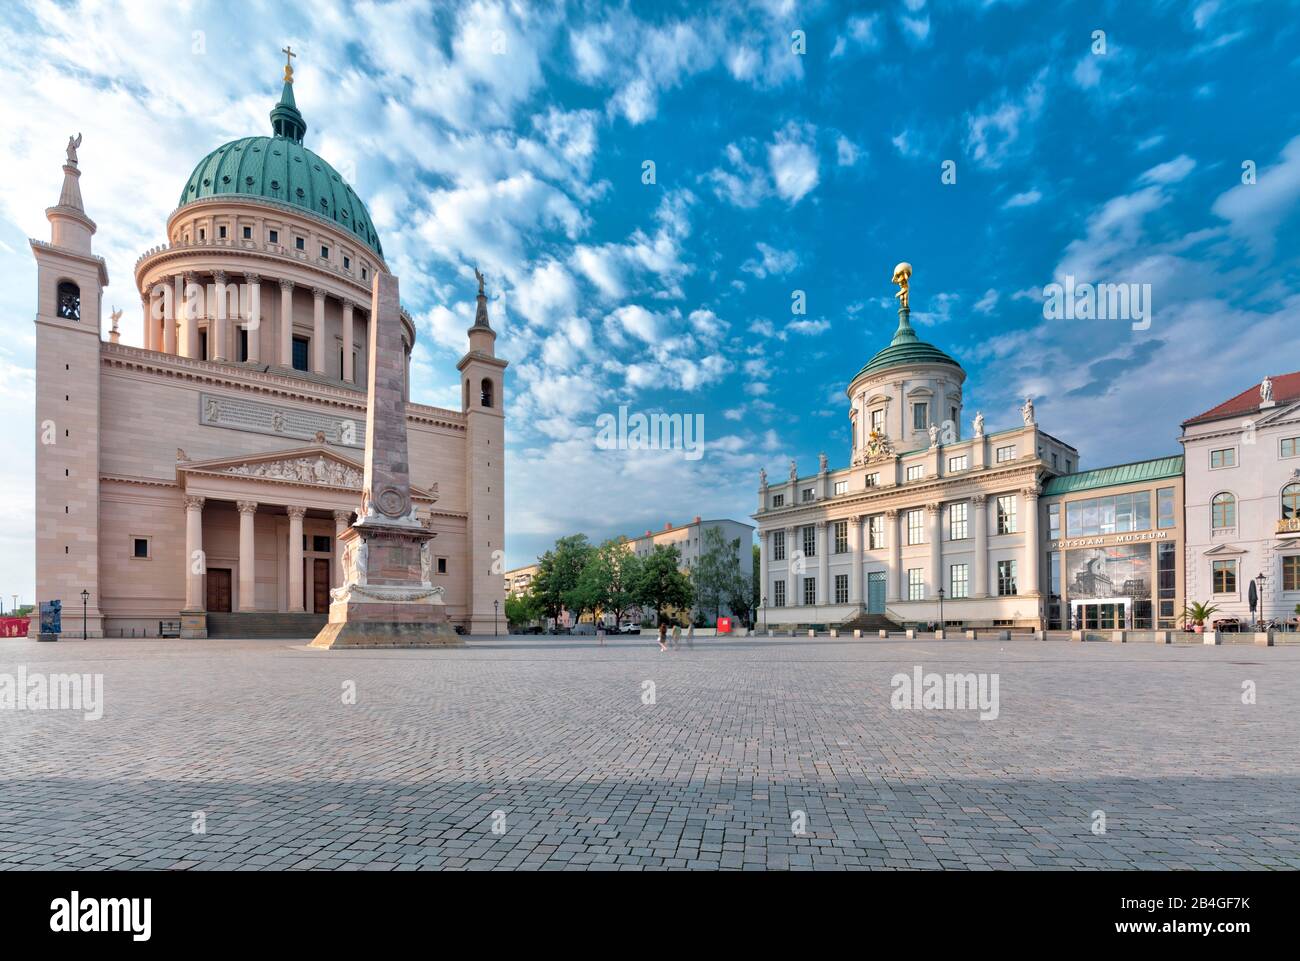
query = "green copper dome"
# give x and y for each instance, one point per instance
(280, 168)
(906, 348)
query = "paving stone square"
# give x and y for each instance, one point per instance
(544, 754)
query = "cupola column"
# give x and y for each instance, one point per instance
(349, 375)
(190, 311)
(217, 318)
(318, 331)
(286, 323)
(254, 323)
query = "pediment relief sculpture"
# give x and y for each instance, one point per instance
(303, 470)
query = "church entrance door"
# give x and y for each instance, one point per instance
(320, 585)
(218, 589)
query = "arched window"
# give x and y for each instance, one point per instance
(465, 403)
(69, 300)
(1291, 500)
(1223, 511)
(485, 397)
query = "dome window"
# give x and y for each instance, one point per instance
(207, 182)
(276, 152)
(225, 179)
(315, 166)
(275, 185)
(248, 181)
(325, 204)
(257, 150)
(299, 193)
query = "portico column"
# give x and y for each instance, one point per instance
(190, 314)
(295, 558)
(254, 323)
(934, 513)
(1029, 578)
(342, 521)
(195, 563)
(286, 323)
(217, 315)
(979, 504)
(318, 331)
(764, 545)
(823, 565)
(855, 558)
(894, 518)
(793, 565)
(247, 556)
(349, 375)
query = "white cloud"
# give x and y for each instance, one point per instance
(1170, 172)
(846, 151)
(987, 303)
(792, 157)
(771, 261)
(1254, 211)
(1026, 199)
(994, 133)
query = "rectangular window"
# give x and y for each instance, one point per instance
(807, 494)
(140, 547)
(841, 487)
(873, 480)
(221, 232)
(273, 236)
(1289, 447)
(1165, 508)
(1225, 577)
(248, 233)
(347, 262)
(300, 243)
(956, 464)
(1117, 514)
(841, 537)
(918, 416)
(364, 272)
(778, 545)
(301, 351)
(1005, 454)
(778, 500)
(915, 584)
(1007, 514)
(959, 580)
(878, 419)
(1290, 572)
(876, 531)
(916, 472)
(442, 565)
(324, 252)
(810, 541)
(958, 515)
(915, 527)
(243, 343)
(321, 543)
(1054, 521)
(1166, 583)
(1006, 578)
(778, 594)
(841, 588)
(1223, 458)
(203, 234)
(810, 591)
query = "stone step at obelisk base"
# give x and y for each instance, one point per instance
(387, 598)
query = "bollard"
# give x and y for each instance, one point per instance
(911, 633)
(1118, 637)
(835, 632)
(857, 632)
(1076, 637)
(939, 634)
(1264, 638)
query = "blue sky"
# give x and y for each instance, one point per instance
(513, 136)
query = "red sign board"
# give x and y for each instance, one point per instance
(724, 625)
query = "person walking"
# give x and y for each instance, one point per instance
(600, 633)
(663, 636)
(690, 636)
(677, 637)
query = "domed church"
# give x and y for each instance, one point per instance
(927, 523)
(196, 483)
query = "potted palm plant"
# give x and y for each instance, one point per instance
(1198, 613)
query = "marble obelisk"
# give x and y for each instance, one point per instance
(387, 599)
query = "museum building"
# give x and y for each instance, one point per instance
(926, 524)
(203, 476)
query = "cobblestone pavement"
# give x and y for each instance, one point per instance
(743, 734)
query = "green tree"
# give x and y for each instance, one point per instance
(716, 576)
(660, 584)
(558, 571)
(607, 582)
(523, 609)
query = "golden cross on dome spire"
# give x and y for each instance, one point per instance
(288, 63)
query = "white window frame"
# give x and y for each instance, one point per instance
(958, 463)
(915, 472)
(954, 580)
(876, 532)
(915, 532)
(1013, 526)
(916, 583)
(841, 487)
(959, 521)
(1004, 454)
(1224, 450)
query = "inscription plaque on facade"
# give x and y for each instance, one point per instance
(237, 413)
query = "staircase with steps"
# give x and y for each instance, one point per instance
(265, 624)
(866, 622)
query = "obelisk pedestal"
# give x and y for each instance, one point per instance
(387, 598)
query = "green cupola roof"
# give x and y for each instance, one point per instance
(281, 169)
(906, 349)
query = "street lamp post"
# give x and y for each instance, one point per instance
(85, 597)
(1260, 579)
(941, 608)
(765, 615)
(496, 604)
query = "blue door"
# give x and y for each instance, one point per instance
(876, 592)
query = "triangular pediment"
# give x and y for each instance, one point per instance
(316, 465)
(1225, 549)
